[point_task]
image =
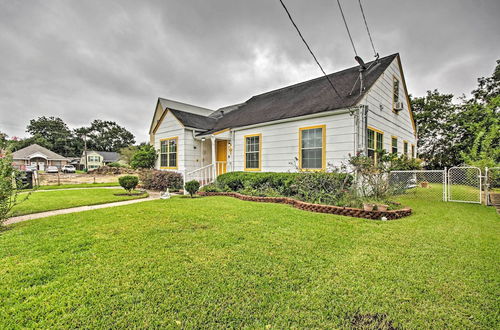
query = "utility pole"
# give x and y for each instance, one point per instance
(85, 151)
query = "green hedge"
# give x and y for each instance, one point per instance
(314, 187)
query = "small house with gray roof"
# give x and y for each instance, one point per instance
(37, 156)
(92, 159)
(305, 126)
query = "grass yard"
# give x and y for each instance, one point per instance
(222, 262)
(42, 201)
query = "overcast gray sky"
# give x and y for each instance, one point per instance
(110, 60)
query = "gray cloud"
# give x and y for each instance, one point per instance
(82, 60)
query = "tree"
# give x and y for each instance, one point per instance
(106, 136)
(489, 87)
(3, 144)
(54, 132)
(451, 134)
(8, 188)
(437, 138)
(127, 153)
(145, 157)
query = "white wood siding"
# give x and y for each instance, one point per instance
(280, 142)
(392, 124)
(192, 153)
(169, 128)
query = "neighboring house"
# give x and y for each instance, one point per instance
(96, 159)
(307, 121)
(35, 155)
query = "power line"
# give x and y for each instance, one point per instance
(309, 48)
(347, 28)
(367, 29)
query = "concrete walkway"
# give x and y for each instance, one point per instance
(152, 196)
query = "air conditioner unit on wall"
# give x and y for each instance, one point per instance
(398, 106)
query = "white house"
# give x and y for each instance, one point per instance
(308, 121)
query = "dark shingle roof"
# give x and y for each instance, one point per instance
(193, 120)
(305, 98)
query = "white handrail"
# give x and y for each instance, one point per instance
(204, 175)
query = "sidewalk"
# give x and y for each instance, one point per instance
(153, 195)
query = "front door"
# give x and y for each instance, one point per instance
(221, 164)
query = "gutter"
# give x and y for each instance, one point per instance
(316, 115)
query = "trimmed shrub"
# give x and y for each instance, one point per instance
(192, 187)
(161, 180)
(314, 187)
(128, 182)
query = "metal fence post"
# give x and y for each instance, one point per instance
(445, 185)
(486, 187)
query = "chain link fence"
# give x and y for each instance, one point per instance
(492, 186)
(423, 184)
(464, 184)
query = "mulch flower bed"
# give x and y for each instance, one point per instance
(339, 210)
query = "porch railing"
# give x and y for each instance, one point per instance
(204, 175)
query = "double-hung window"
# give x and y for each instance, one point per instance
(395, 93)
(168, 153)
(312, 147)
(375, 143)
(394, 145)
(253, 146)
(405, 148)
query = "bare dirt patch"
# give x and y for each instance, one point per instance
(76, 178)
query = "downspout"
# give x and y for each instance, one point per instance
(365, 129)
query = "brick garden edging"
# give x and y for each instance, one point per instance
(339, 210)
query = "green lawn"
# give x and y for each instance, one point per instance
(222, 262)
(435, 192)
(41, 201)
(79, 185)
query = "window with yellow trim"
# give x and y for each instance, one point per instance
(252, 152)
(394, 145)
(375, 143)
(395, 92)
(405, 148)
(312, 148)
(413, 151)
(168, 153)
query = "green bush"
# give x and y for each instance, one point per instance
(115, 164)
(192, 187)
(210, 188)
(314, 187)
(160, 180)
(145, 157)
(128, 182)
(324, 188)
